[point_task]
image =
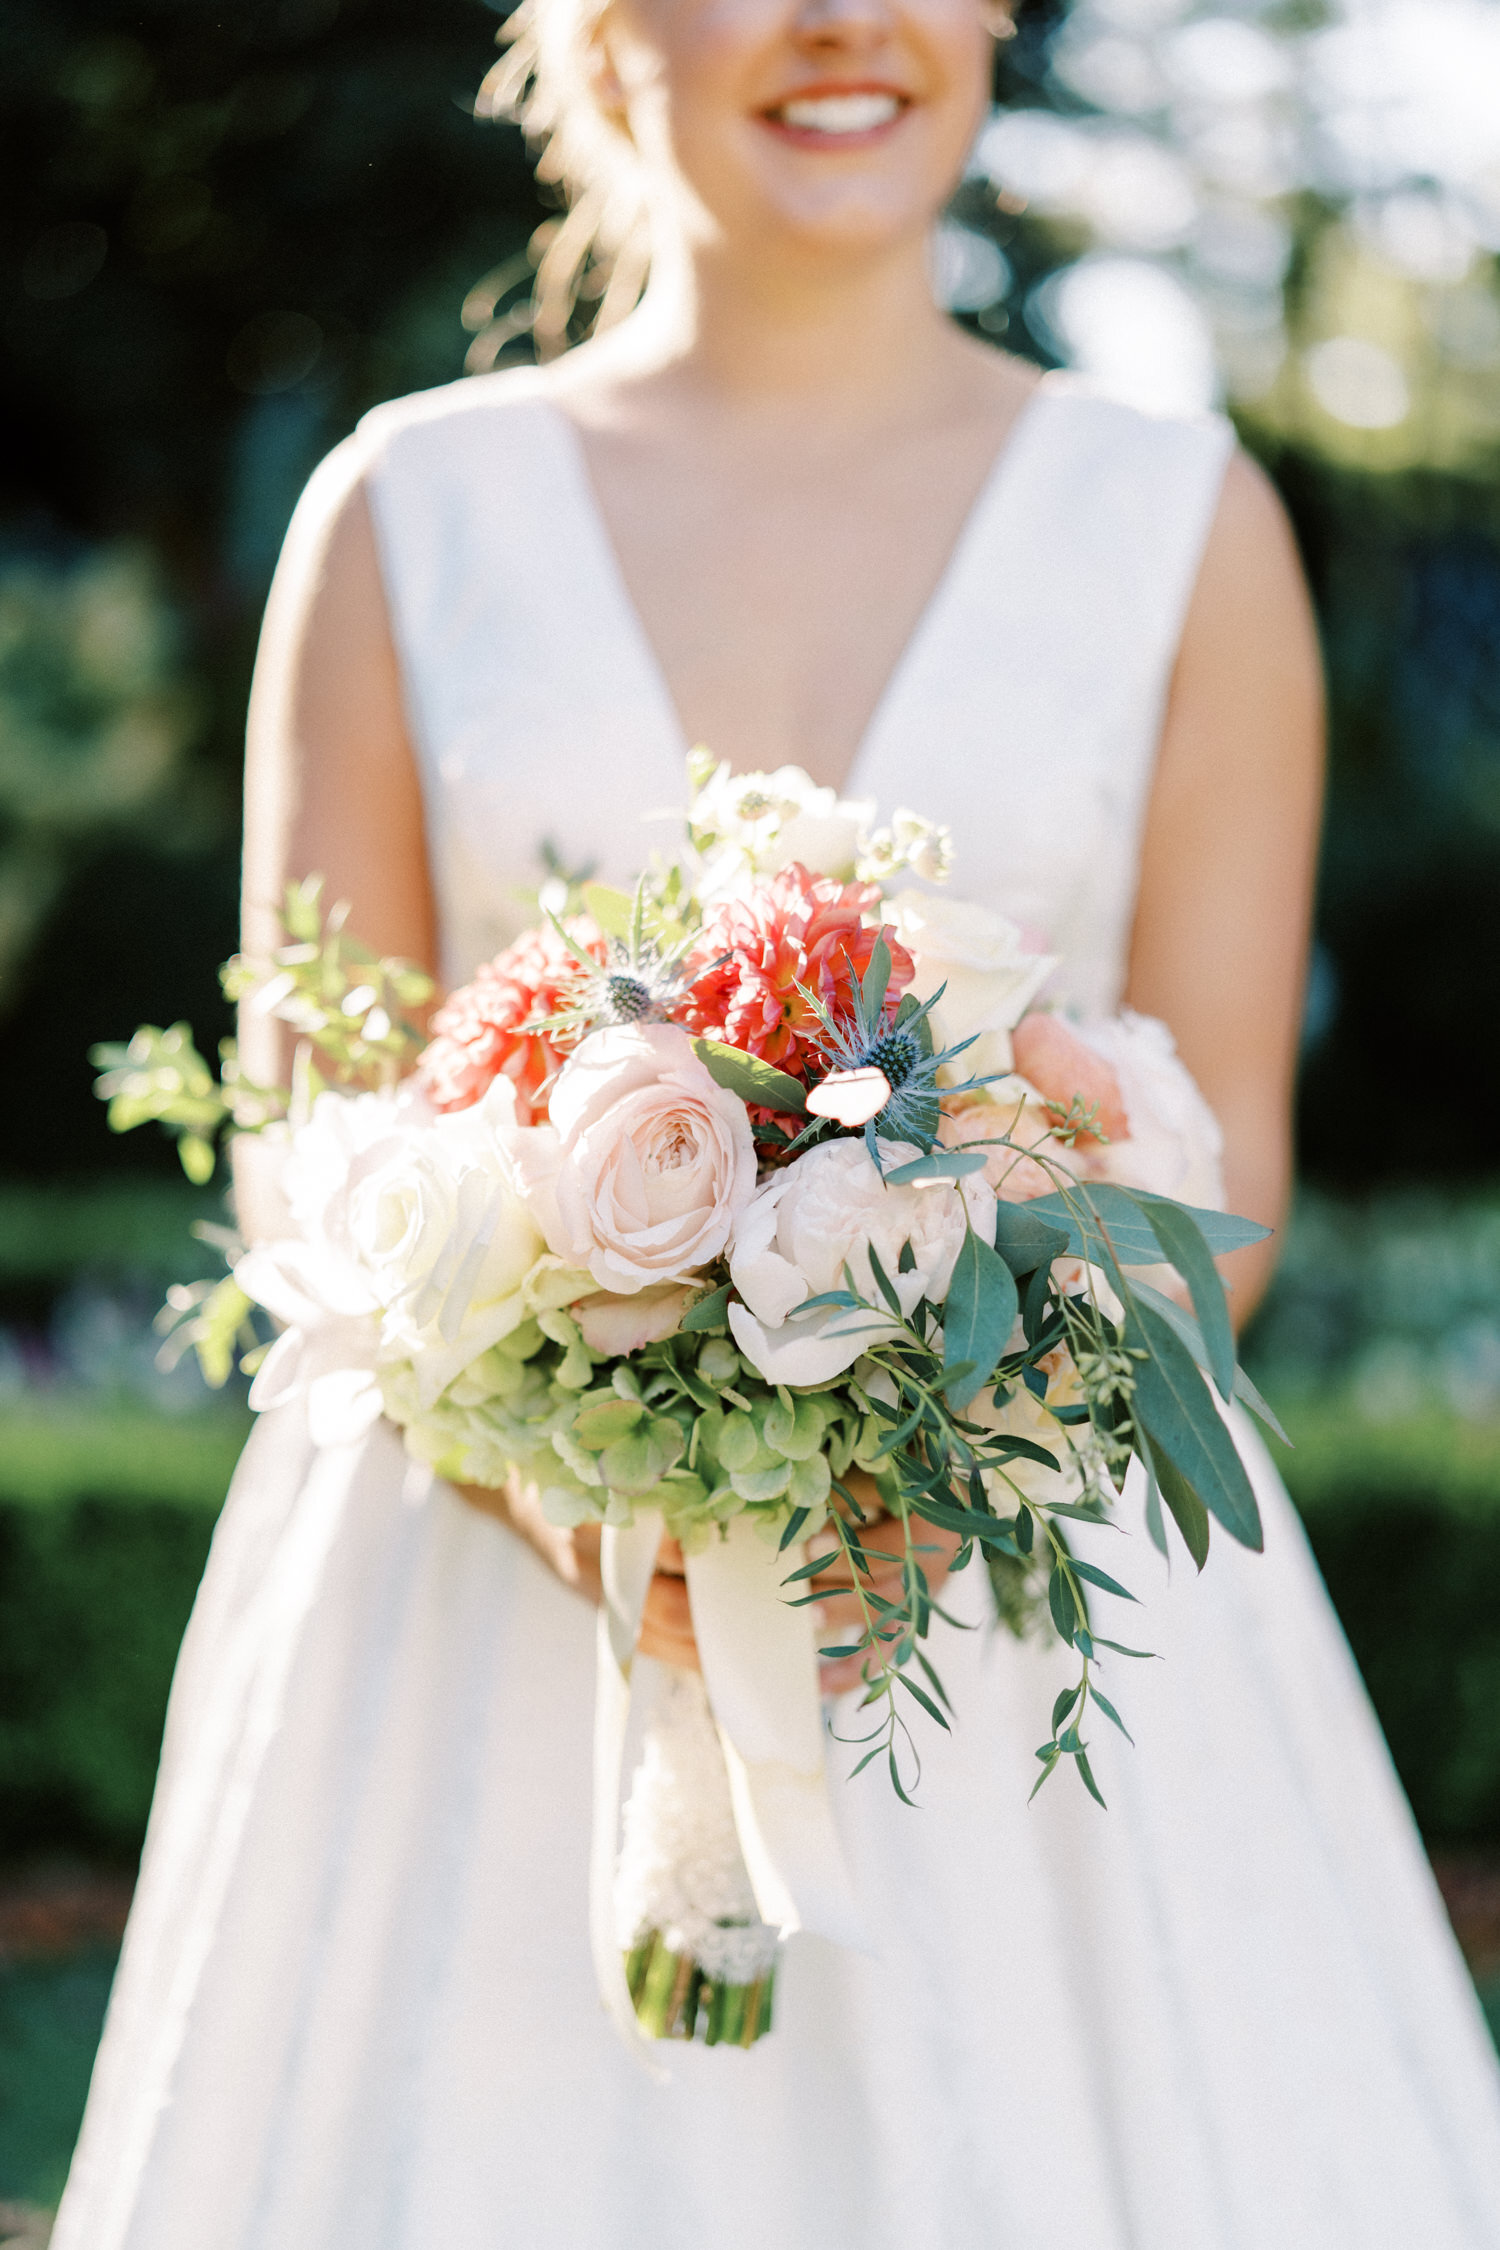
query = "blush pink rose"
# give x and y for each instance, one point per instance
(645, 1163)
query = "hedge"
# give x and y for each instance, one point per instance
(105, 1520)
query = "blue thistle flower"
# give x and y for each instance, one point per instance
(640, 982)
(902, 1051)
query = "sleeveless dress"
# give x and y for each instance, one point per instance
(355, 2009)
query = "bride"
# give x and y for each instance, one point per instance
(787, 509)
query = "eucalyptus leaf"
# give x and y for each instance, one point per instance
(1105, 1215)
(1182, 1241)
(1086, 1776)
(1187, 1328)
(753, 1080)
(883, 1281)
(877, 976)
(943, 1164)
(1111, 1713)
(1188, 1511)
(1175, 1408)
(978, 1315)
(708, 1312)
(1025, 1241)
(1247, 1394)
(1101, 1578)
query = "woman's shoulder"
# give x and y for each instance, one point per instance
(425, 452)
(451, 414)
(1098, 429)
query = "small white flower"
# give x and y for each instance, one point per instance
(758, 823)
(924, 846)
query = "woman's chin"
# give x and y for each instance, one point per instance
(836, 226)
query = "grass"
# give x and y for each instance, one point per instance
(143, 1226)
(1339, 1459)
(82, 1442)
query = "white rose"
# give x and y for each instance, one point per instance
(990, 976)
(321, 1153)
(647, 1163)
(314, 1282)
(415, 1242)
(449, 1237)
(823, 1211)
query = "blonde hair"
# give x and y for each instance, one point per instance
(599, 253)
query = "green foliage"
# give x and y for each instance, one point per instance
(105, 1518)
(751, 1079)
(93, 1599)
(51, 2012)
(95, 720)
(144, 1228)
(160, 1078)
(214, 1319)
(348, 1004)
(978, 1315)
(1176, 1411)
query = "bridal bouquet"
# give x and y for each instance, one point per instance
(705, 1210)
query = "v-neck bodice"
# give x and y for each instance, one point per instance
(1024, 710)
(972, 535)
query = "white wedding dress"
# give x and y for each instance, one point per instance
(356, 2009)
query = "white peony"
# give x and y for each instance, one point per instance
(1174, 1145)
(989, 974)
(806, 1223)
(645, 1163)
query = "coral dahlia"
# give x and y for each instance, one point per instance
(787, 930)
(490, 1027)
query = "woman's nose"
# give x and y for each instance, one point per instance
(836, 23)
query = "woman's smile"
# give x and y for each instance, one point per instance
(837, 116)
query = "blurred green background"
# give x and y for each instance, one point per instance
(223, 235)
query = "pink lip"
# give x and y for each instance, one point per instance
(804, 136)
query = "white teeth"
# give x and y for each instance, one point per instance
(840, 113)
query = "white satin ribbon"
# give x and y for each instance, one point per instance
(627, 1558)
(760, 1671)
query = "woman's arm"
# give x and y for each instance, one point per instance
(1219, 947)
(331, 783)
(331, 788)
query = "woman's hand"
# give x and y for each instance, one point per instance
(839, 1614)
(667, 1622)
